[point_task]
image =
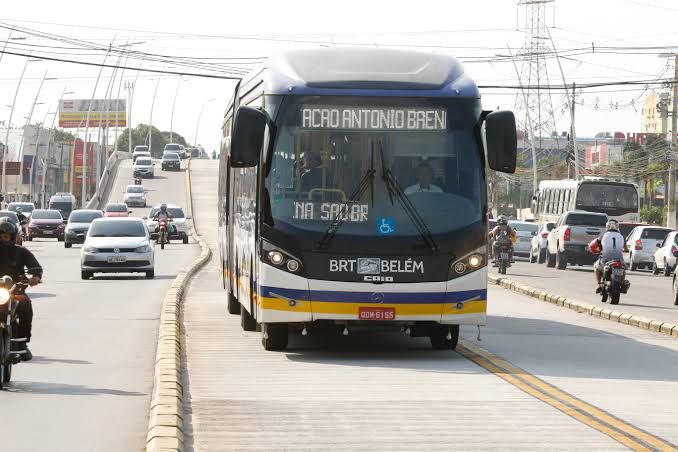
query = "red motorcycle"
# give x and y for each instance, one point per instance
(163, 231)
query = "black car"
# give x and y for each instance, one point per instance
(171, 161)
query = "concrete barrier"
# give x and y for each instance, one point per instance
(105, 184)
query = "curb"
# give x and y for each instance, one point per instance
(166, 418)
(602, 312)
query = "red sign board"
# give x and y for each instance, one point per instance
(77, 163)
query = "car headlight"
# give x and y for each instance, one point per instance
(143, 249)
(469, 263)
(4, 295)
(90, 249)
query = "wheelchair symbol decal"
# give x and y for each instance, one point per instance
(386, 226)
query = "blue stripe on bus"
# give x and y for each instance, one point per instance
(389, 297)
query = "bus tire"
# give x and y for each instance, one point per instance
(233, 305)
(561, 261)
(274, 336)
(247, 322)
(439, 340)
(550, 259)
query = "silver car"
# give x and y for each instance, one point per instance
(539, 242)
(641, 244)
(117, 245)
(143, 167)
(524, 233)
(135, 196)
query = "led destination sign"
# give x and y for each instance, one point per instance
(360, 118)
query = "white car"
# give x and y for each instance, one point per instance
(179, 219)
(143, 167)
(135, 195)
(117, 245)
(665, 256)
(524, 233)
(641, 244)
(140, 151)
(539, 242)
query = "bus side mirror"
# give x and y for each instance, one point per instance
(248, 137)
(501, 141)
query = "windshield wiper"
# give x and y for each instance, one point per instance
(365, 182)
(396, 191)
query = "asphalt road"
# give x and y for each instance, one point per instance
(650, 296)
(88, 387)
(381, 390)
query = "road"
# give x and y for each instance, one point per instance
(88, 387)
(543, 378)
(650, 296)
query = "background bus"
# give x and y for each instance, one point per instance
(619, 200)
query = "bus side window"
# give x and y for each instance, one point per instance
(561, 201)
(568, 194)
(547, 206)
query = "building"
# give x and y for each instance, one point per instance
(652, 120)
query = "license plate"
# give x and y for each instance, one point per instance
(377, 313)
(48, 232)
(617, 271)
(525, 239)
(117, 260)
(503, 255)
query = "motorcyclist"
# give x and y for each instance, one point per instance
(15, 261)
(23, 220)
(611, 248)
(163, 214)
(502, 226)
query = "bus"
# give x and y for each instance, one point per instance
(352, 191)
(619, 200)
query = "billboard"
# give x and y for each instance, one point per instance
(104, 113)
(77, 163)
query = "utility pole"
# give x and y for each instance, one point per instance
(129, 87)
(9, 126)
(573, 134)
(671, 215)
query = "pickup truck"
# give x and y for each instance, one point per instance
(568, 242)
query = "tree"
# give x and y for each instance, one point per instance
(63, 136)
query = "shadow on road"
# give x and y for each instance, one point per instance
(41, 295)
(32, 387)
(45, 360)
(551, 348)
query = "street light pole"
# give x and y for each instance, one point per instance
(9, 125)
(176, 93)
(49, 140)
(150, 122)
(671, 214)
(197, 125)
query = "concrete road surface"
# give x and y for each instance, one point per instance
(650, 296)
(88, 387)
(542, 378)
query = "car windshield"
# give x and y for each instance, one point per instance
(171, 156)
(323, 153)
(654, 233)
(141, 149)
(84, 217)
(116, 208)
(135, 189)
(11, 215)
(175, 212)
(172, 147)
(613, 199)
(46, 215)
(61, 205)
(584, 219)
(117, 229)
(524, 227)
(25, 207)
(144, 161)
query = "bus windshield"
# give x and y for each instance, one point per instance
(613, 199)
(331, 155)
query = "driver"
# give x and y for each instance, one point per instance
(612, 244)
(162, 213)
(14, 261)
(424, 177)
(312, 175)
(502, 226)
(22, 219)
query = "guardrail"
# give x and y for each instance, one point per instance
(106, 180)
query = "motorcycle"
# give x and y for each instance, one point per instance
(502, 251)
(163, 231)
(137, 180)
(11, 294)
(614, 281)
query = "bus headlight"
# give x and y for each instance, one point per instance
(281, 259)
(276, 257)
(4, 295)
(292, 265)
(469, 263)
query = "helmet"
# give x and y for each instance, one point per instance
(163, 207)
(612, 225)
(7, 227)
(19, 210)
(502, 220)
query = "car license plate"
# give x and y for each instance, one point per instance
(503, 255)
(48, 232)
(376, 313)
(617, 271)
(525, 239)
(117, 259)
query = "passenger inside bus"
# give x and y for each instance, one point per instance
(312, 174)
(424, 178)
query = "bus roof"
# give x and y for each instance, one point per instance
(572, 183)
(363, 72)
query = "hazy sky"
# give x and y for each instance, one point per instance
(469, 30)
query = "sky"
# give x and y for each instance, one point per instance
(475, 32)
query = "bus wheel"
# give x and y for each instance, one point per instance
(439, 338)
(233, 305)
(274, 336)
(247, 322)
